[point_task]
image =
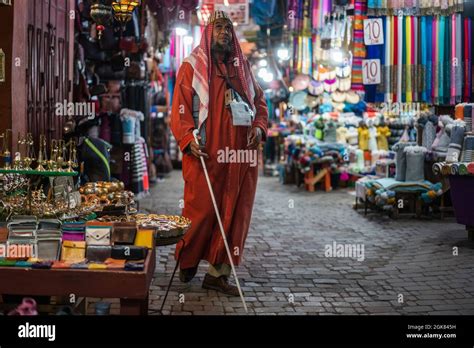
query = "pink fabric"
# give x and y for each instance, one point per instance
(201, 61)
(453, 54)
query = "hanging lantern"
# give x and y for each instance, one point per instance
(123, 10)
(101, 13)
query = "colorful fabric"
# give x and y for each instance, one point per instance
(360, 13)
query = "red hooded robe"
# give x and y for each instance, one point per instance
(234, 184)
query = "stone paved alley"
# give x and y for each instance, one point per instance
(284, 259)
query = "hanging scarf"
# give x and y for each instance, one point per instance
(423, 7)
(408, 60)
(388, 58)
(467, 59)
(434, 81)
(441, 58)
(380, 88)
(400, 83)
(201, 61)
(458, 69)
(429, 60)
(414, 58)
(360, 11)
(423, 60)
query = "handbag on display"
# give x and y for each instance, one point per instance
(22, 226)
(61, 265)
(96, 266)
(129, 252)
(124, 233)
(128, 44)
(145, 238)
(42, 265)
(49, 238)
(98, 253)
(115, 264)
(73, 231)
(98, 235)
(134, 266)
(49, 224)
(73, 236)
(73, 251)
(136, 71)
(49, 248)
(106, 72)
(80, 265)
(3, 234)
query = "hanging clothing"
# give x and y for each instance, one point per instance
(372, 138)
(382, 134)
(363, 138)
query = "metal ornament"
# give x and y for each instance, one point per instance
(101, 13)
(123, 10)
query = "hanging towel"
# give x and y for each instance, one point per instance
(429, 135)
(470, 168)
(437, 168)
(401, 160)
(459, 66)
(423, 60)
(434, 51)
(467, 59)
(463, 169)
(468, 149)
(429, 60)
(388, 59)
(415, 161)
(400, 36)
(467, 111)
(455, 145)
(455, 169)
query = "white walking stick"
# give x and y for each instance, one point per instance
(195, 133)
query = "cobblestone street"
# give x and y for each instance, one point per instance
(409, 266)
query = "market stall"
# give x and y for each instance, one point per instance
(372, 94)
(69, 206)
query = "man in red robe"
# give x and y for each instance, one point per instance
(214, 67)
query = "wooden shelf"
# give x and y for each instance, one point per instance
(37, 172)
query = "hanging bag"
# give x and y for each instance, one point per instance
(242, 113)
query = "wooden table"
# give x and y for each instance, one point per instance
(131, 287)
(323, 175)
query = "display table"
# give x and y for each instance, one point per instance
(462, 193)
(130, 286)
(323, 175)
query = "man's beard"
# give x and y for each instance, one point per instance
(224, 50)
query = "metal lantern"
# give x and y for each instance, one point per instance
(123, 9)
(101, 13)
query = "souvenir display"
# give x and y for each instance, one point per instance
(362, 108)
